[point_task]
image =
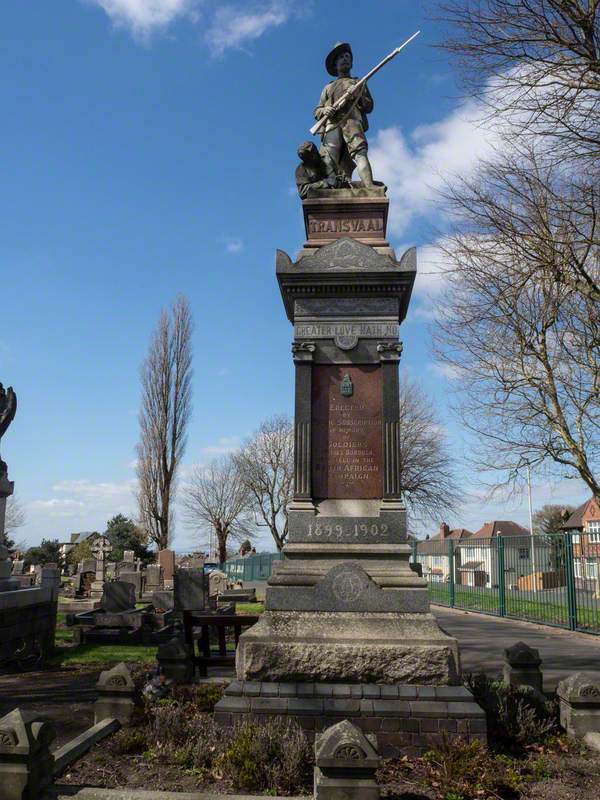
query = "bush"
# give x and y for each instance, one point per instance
(130, 742)
(516, 715)
(204, 696)
(461, 771)
(268, 756)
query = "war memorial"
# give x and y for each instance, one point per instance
(347, 629)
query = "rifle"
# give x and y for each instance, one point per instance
(358, 86)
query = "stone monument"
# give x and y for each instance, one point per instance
(101, 548)
(344, 611)
(8, 409)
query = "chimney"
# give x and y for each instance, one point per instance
(444, 530)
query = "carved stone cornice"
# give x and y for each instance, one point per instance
(346, 268)
(389, 351)
(303, 351)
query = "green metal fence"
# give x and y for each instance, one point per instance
(252, 568)
(551, 579)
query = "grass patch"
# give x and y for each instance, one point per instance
(250, 608)
(517, 607)
(104, 654)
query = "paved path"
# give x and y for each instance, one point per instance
(483, 638)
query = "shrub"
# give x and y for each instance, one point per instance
(468, 771)
(268, 756)
(204, 696)
(516, 715)
(129, 742)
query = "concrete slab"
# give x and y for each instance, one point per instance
(483, 638)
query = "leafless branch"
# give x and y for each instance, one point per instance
(216, 497)
(266, 463)
(164, 415)
(428, 470)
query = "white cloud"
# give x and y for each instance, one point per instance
(233, 245)
(415, 168)
(96, 493)
(65, 507)
(226, 444)
(232, 27)
(143, 17)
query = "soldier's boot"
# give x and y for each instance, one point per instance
(364, 169)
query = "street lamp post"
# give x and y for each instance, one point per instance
(533, 558)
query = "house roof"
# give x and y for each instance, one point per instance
(576, 518)
(490, 530)
(433, 545)
(78, 538)
(585, 512)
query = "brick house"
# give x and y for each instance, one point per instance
(584, 524)
(433, 553)
(479, 557)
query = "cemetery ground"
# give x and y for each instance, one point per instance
(172, 744)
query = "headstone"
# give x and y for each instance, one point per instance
(163, 601)
(134, 578)
(175, 660)
(166, 559)
(522, 667)
(17, 567)
(346, 761)
(101, 548)
(579, 699)
(217, 582)
(7, 582)
(153, 575)
(129, 556)
(87, 565)
(190, 590)
(118, 596)
(116, 691)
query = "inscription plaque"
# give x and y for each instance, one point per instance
(347, 433)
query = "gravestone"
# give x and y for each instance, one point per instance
(153, 577)
(190, 590)
(7, 582)
(17, 567)
(118, 596)
(217, 582)
(101, 548)
(129, 556)
(166, 559)
(134, 578)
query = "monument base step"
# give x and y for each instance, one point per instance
(362, 647)
(405, 718)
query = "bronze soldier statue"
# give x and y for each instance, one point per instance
(344, 144)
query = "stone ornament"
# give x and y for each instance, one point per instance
(579, 700)
(520, 654)
(579, 687)
(346, 760)
(118, 678)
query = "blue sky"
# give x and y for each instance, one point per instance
(149, 149)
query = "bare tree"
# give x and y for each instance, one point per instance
(266, 463)
(520, 322)
(535, 62)
(216, 497)
(164, 415)
(15, 514)
(427, 468)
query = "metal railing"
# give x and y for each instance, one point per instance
(252, 568)
(550, 579)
